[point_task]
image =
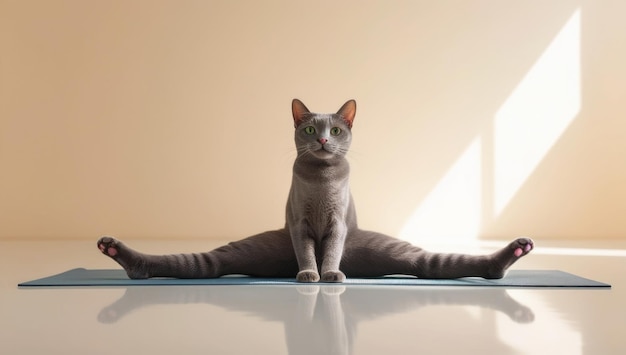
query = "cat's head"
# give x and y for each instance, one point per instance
(323, 135)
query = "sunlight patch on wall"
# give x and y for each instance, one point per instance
(452, 210)
(525, 128)
(538, 111)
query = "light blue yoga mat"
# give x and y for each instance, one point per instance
(515, 278)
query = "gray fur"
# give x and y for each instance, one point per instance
(320, 210)
(321, 235)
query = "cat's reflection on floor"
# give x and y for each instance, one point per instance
(314, 312)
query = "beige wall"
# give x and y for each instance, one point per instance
(157, 119)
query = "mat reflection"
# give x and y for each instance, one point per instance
(321, 319)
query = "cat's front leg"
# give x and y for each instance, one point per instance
(304, 247)
(333, 246)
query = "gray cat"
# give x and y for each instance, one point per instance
(321, 236)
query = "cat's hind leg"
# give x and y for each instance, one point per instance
(268, 254)
(139, 265)
(374, 254)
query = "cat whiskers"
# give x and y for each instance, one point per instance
(302, 151)
(341, 150)
(337, 149)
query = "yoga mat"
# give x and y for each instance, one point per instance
(514, 278)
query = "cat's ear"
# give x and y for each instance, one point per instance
(347, 112)
(299, 112)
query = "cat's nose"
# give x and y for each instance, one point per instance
(322, 140)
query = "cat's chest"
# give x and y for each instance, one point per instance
(319, 196)
(322, 197)
(328, 202)
(320, 203)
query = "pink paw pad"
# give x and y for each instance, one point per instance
(107, 248)
(518, 251)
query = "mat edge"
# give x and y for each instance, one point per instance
(40, 283)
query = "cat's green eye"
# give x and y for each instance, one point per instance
(335, 131)
(309, 130)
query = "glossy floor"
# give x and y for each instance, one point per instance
(308, 319)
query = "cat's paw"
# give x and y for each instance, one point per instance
(508, 255)
(308, 276)
(130, 260)
(521, 246)
(333, 276)
(109, 246)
